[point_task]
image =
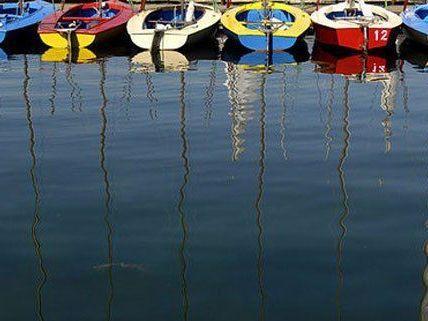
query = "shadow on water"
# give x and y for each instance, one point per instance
(415, 54)
(258, 202)
(182, 197)
(107, 186)
(37, 195)
(345, 199)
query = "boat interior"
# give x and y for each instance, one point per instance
(274, 19)
(86, 17)
(11, 11)
(353, 11)
(422, 13)
(171, 17)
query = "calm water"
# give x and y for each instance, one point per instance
(214, 190)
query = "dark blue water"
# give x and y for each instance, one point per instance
(214, 190)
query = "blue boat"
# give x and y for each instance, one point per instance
(20, 18)
(415, 21)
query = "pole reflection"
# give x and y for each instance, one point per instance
(344, 199)
(37, 195)
(52, 97)
(182, 197)
(260, 185)
(107, 187)
(209, 93)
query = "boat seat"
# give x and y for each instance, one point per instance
(7, 15)
(84, 19)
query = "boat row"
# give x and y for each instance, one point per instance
(260, 26)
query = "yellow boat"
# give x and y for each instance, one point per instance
(265, 25)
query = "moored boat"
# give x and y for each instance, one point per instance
(415, 22)
(22, 18)
(355, 25)
(172, 27)
(265, 26)
(85, 24)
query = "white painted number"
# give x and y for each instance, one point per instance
(379, 68)
(381, 35)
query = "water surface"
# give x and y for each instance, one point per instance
(209, 187)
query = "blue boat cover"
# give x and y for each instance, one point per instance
(416, 18)
(12, 19)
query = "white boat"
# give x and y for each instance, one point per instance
(172, 27)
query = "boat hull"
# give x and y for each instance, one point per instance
(103, 32)
(260, 43)
(415, 35)
(172, 39)
(353, 38)
(80, 40)
(415, 25)
(357, 27)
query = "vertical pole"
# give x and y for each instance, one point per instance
(142, 5)
(406, 2)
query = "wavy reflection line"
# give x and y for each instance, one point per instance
(405, 93)
(52, 97)
(328, 126)
(107, 186)
(241, 93)
(209, 92)
(237, 142)
(151, 95)
(424, 301)
(387, 103)
(260, 185)
(345, 199)
(282, 131)
(75, 88)
(182, 193)
(127, 88)
(37, 195)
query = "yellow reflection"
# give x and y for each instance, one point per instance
(80, 56)
(161, 61)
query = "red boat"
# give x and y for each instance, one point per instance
(355, 25)
(85, 24)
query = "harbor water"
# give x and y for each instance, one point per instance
(209, 186)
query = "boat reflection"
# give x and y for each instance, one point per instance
(265, 62)
(355, 66)
(242, 71)
(172, 61)
(78, 56)
(160, 61)
(365, 68)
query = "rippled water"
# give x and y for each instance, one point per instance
(218, 189)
